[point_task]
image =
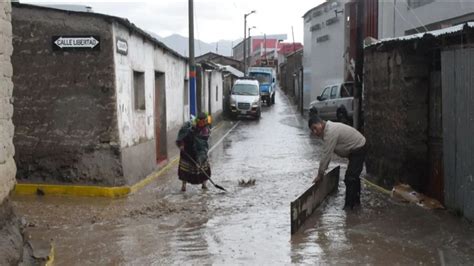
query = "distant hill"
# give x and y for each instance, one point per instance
(180, 44)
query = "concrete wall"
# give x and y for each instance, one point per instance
(395, 17)
(207, 81)
(216, 97)
(65, 102)
(7, 164)
(307, 86)
(326, 56)
(396, 87)
(138, 138)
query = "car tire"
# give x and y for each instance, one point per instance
(342, 116)
(273, 99)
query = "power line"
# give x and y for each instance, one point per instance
(403, 17)
(419, 20)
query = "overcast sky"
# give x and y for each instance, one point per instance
(214, 19)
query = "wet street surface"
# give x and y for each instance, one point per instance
(248, 224)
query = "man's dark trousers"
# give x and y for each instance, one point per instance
(352, 178)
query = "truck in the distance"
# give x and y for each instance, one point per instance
(266, 77)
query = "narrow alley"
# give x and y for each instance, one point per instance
(248, 224)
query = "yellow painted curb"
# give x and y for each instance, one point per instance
(50, 261)
(89, 191)
(83, 191)
(153, 176)
(379, 188)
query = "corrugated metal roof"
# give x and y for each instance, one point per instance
(231, 70)
(434, 33)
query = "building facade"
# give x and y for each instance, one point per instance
(258, 47)
(324, 48)
(399, 18)
(106, 115)
(210, 89)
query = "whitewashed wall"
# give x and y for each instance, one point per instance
(135, 126)
(216, 78)
(395, 17)
(324, 59)
(307, 86)
(216, 104)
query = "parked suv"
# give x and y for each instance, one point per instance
(336, 103)
(245, 98)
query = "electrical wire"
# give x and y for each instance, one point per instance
(417, 18)
(403, 17)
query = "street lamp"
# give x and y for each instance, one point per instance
(245, 39)
(251, 28)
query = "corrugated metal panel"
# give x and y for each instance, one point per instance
(435, 145)
(458, 130)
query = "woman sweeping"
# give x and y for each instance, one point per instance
(192, 141)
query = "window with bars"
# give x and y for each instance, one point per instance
(139, 90)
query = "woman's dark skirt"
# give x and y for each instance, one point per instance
(189, 172)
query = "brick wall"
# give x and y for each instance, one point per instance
(7, 164)
(396, 86)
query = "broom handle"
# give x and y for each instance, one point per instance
(198, 166)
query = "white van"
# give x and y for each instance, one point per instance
(245, 98)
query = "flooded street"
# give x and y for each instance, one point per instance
(247, 225)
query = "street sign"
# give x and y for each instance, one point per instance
(122, 46)
(76, 43)
(302, 208)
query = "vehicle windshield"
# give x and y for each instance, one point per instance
(245, 89)
(263, 78)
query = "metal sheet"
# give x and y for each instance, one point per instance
(458, 118)
(304, 205)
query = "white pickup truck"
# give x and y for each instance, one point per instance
(336, 103)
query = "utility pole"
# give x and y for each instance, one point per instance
(245, 40)
(265, 46)
(359, 66)
(293, 35)
(192, 64)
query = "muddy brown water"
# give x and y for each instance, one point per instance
(249, 224)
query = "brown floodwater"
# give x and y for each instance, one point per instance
(248, 224)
